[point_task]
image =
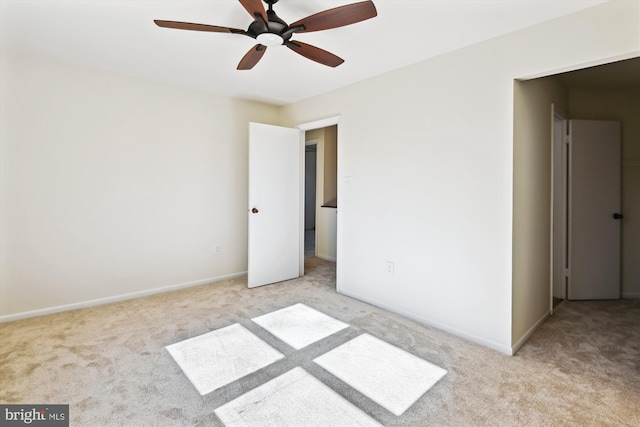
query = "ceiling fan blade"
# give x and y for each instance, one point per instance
(315, 53)
(252, 57)
(196, 27)
(255, 8)
(337, 17)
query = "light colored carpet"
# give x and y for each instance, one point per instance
(299, 325)
(217, 358)
(581, 368)
(295, 398)
(386, 374)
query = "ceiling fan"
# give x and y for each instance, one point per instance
(269, 30)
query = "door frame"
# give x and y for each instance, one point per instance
(304, 127)
(559, 213)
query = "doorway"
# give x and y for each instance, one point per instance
(321, 223)
(310, 180)
(273, 149)
(610, 92)
(585, 199)
(588, 94)
(321, 201)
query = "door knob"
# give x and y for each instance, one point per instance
(617, 216)
(255, 210)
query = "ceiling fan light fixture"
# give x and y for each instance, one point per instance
(270, 39)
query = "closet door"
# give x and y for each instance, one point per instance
(594, 210)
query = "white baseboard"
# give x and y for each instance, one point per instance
(454, 331)
(530, 332)
(116, 298)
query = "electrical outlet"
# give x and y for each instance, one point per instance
(217, 250)
(389, 268)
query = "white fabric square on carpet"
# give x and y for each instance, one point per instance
(217, 358)
(386, 374)
(299, 325)
(296, 399)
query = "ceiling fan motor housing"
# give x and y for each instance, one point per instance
(275, 26)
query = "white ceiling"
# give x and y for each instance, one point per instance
(120, 36)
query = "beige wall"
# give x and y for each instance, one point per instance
(330, 170)
(623, 106)
(532, 148)
(114, 186)
(429, 155)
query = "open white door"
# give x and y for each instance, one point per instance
(594, 210)
(274, 204)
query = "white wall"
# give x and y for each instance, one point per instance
(433, 191)
(112, 185)
(623, 106)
